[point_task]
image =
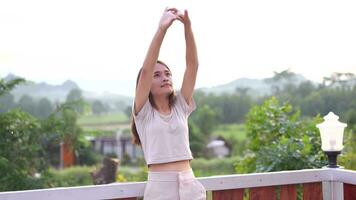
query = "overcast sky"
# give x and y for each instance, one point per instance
(101, 44)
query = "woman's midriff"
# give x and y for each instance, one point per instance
(171, 166)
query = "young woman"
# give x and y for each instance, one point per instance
(160, 122)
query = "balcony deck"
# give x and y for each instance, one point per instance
(316, 184)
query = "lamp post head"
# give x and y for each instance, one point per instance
(332, 133)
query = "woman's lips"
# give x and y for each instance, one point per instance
(165, 85)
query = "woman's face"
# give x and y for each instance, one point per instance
(162, 81)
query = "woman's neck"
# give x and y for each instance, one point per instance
(162, 104)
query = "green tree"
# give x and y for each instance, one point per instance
(242, 90)
(281, 80)
(76, 96)
(6, 86)
(201, 126)
(98, 107)
(7, 102)
(21, 150)
(348, 156)
(61, 126)
(20, 146)
(27, 104)
(305, 88)
(279, 139)
(128, 111)
(44, 108)
(205, 120)
(197, 140)
(228, 108)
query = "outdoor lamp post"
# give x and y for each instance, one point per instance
(331, 132)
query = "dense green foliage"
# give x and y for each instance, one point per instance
(73, 176)
(126, 174)
(29, 145)
(215, 166)
(7, 86)
(227, 108)
(21, 154)
(279, 139)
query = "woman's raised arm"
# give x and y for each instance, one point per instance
(145, 79)
(191, 57)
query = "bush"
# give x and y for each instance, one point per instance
(347, 158)
(280, 140)
(73, 176)
(21, 148)
(131, 174)
(216, 166)
(86, 153)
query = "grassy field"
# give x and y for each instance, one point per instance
(113, 118)
(234, 131)
(104, 124)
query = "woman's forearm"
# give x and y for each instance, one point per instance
(145, 80)
(169, 15)
(191, 49)
(192, 64)
(154, 49)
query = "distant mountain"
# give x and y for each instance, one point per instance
(113, 100)
(59, 92)
(38, 90)
(253, 87)
(10, 77)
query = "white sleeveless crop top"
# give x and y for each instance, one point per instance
(165, 138)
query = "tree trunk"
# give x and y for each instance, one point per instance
(107, 174)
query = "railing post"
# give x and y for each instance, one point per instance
(333, 190)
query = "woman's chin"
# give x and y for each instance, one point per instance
(167, 89)
(168, 92)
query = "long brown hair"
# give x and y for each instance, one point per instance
(171, 101)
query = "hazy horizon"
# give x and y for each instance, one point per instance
(101, 45)
(129, 89)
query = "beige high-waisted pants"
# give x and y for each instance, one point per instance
(174, 185)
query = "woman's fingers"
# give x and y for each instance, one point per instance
(183, 14)
(175, 14)
(180, 13)
(173, 10)
(180, 18)
(183, 17)
(186, 13)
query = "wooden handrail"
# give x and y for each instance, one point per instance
(258, 186)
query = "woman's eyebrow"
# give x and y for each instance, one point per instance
(156, 72)
(164, 71)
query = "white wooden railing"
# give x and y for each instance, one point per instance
(335, 184)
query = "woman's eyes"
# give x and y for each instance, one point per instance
(158, 75)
